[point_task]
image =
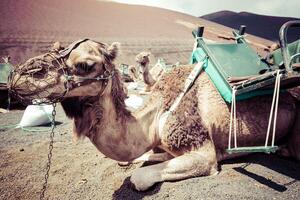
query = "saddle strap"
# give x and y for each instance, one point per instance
(187, 86)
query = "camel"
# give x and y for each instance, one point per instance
(141, 72)
(193, 138)
(159, 68)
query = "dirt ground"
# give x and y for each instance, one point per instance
(79, 171)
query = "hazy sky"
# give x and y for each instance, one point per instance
(287, 8)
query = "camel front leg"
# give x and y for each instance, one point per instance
(149, 156)
(191, 164)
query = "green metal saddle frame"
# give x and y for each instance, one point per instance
(238, 66)
(5, 69)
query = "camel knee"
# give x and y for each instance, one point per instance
(142, 179)
(181, 167)
(148, 156)
(192, 165)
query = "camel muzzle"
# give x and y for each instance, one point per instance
(46, 78)
(38, 80)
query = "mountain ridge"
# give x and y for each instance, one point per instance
(259, 25)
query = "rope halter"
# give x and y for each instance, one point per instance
(39, 79)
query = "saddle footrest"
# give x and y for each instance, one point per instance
(254, 149)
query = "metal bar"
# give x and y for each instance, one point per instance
(272, 110)
(239, 38)
(198, 32)
(210, 56)
(253, 149)
(276, 109)
(253, 87)
(242, 29)
(283, 42)
(294, 57)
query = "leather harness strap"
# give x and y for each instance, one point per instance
(65, 52)
(73, 81)
(187, 86)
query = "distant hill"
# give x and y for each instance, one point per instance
(260, 25)
(28, 28)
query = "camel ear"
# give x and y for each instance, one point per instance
(274, 46)
(57, 46)
(113, 50)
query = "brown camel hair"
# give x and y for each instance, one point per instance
(87, 112)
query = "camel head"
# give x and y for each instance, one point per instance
(82, 69)
(143, 58)
(143, 61)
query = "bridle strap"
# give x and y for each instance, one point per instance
(73, 81)
(79, 80)
(71, 47)
(65, 52)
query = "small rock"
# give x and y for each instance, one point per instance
(21, 149)
(84, 180)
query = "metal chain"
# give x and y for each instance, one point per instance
(8, 100)
(9, 95)
(44, 188)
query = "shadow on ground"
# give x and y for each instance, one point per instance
(281, 165)
(127, 191)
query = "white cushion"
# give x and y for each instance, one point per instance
(36, 115)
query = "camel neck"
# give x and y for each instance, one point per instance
(125, 139)
(147, 77)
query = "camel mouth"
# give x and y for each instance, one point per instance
(38, 80)
(82, 69)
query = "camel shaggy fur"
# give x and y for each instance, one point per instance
(193, 139)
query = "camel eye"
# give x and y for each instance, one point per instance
(84, 67)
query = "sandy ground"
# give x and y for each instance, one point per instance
(79, 171)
